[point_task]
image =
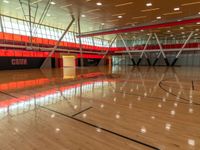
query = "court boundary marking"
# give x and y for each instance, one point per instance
(193, 85)
(104, 129)
(151, 97)
(90, 124)
(160, 86)
(81, 111)
(184, 99)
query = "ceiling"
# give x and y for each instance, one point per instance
(111, 14)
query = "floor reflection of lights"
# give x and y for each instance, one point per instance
(67, 93)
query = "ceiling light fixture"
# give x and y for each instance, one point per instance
(114, 20)
(140, 17)
(52, 3)
(65, 6)
(121, 14)
(147, 10)
(124, 4)
(83, 16)
(176, 9)
(173, 13)
(148, 4)
(37, 1)
(92, 10)
(6, 1)
(119, 17)
(187, 4)
(99, 4)
(158, 17)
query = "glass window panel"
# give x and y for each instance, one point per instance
(16, 31)
(8, 30)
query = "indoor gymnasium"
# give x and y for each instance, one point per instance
(99, 75)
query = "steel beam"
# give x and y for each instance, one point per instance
(110, 45)
(56, 46)
(143, 52)
(158, 50)
(31, 19)
(145, 26)
(48, 49)
(45, 11)
(161, 51)
(127, 49)
(179, 53)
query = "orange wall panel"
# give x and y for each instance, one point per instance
(1, 35)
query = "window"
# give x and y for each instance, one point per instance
(15, 26)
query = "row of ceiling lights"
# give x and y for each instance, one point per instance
(118, 16)
(100, 4)
(147, 4)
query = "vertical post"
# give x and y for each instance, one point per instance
(93, 41)
(30, 21)
(143, 52)
(80, 42)
(179, 53)
(127, 49)
(1, 23)
(74, 37)
(161, 50)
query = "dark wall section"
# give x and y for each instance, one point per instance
(7, 63)
(89, 62)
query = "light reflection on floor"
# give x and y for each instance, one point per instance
(155, 105)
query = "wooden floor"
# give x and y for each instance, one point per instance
(119, 108)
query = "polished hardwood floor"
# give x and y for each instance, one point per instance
(100, 108)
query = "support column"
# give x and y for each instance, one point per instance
(161, 52)
(127, 49)
(143, 52)
(30, 22)
(1, 24)
(179, 53)
(47, 61)
(80, 42)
